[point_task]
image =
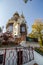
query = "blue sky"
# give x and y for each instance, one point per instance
(32, 10)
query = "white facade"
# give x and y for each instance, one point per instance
(10, 28)
(13, 25)
(16, 29)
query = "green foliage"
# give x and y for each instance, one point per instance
(37, 29)
(25, 1)
(0, 42)
(39, 51)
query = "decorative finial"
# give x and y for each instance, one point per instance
(16, 13)
(22, 15)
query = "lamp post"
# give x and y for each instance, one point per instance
(2, 28)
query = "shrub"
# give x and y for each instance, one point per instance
(39, 51)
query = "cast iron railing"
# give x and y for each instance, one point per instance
(17, 55)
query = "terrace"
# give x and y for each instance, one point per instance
(16, 56)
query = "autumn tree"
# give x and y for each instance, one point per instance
(37, 29)
(33, 34)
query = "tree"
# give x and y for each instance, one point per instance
(25, 1)
(37, 28)
(32, 35)
(6, 39)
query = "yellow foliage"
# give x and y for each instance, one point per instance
(37, 27)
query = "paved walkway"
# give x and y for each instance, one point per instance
(30, 63)
(38, 58)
